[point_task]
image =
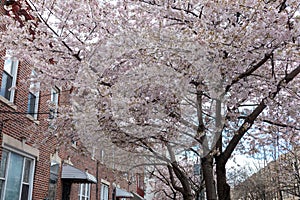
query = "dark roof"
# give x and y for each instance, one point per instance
(123, 193)
(74, 175)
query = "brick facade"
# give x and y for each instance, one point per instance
(23, 135)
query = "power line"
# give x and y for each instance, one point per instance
(23, 113)
(45, 95)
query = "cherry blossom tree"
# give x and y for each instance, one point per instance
(160, 78)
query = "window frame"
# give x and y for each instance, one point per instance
(102, 197)
(87, 191)
(13, 67)
(55, 92)
(30, 175)
(34, 90)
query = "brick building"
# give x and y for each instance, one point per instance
(279, 179)
(33, 165)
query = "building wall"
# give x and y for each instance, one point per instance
(271, 182)
(27, 133)
(18, 125)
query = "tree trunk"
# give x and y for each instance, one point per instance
(188, 197)
(208, 175)
(222, 186)
(186, 186)
(186, 189)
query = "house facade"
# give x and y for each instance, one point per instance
(278, 180)
(34, 164)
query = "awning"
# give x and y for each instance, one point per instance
(74, 175)
(123, 193)
(136, 196)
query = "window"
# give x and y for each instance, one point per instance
(9, 78)
(139, 181)
(84, 191)
(33, 97)
(16, 176)
(54, 100)
(74, 142)
(102, 156)
(54, 168)
(104, 192)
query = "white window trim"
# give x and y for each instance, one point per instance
(103, 183)
(15, 63)
(55, 90)
(14, 83)
(31, 176)
(36, 105)
(87, 194)
(102, 156)
(30, 184)
(19, 147)
(37, 95)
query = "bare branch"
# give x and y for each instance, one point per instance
(253, 116)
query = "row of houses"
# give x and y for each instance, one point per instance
(277, 180)
(38, 166)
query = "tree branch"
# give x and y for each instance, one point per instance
(250, 119)
(276, 123)
(249, 71)
(173, 182)
(188, 11)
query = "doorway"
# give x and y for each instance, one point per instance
(66, 190)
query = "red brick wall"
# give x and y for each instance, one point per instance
(18, 125)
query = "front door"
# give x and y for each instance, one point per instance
(66, 190)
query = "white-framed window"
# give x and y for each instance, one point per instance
(54, 100)
(84, 191)
(33, 97)
(102, 156)
(9, 78)
(104, 192)
(16, 176)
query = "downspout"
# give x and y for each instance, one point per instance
(97, 177)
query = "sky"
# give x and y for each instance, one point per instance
(239, 167)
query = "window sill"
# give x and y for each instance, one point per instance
(32, 119)
(10, 104)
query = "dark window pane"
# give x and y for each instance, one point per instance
(26, 171)
(53, 180)
(25, 191)
(83, 189)
(1, 188)
(31, 104)
(14, 177)
(6, 85)
(3, 164)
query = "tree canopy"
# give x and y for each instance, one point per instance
(163, 79)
